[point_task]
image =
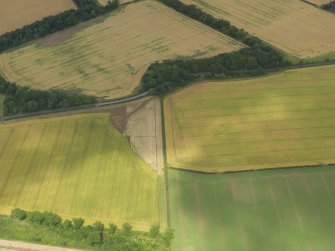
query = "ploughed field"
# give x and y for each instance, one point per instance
(77, 166)
(293, 26)
(282, 120)
(109, 58)
(290, 209)
(15, 14)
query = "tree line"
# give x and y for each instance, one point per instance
(329, 6)
(97, 235)
(87, 9)
(22, 99)
(256, 59)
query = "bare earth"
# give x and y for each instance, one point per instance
(23, 246)
(15, 14)
(140, 122)
(144, 130)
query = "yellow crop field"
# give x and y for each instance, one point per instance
(293, 26)
(15, 14)
(282, 120)
(109, 58)
(77, 166)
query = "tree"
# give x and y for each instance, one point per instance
(94, 238)
(32, 106)
(19, 214)
(52, 220)
(126, 229)
(112, 229)
(36, 217)
(168, 236)
(67, 224)
(154, 231)
(98, 226)
(78, 222)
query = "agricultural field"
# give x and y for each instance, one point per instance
(109, 58)
(282, 120)
(15, 14)
(77, 166)
(2, 99)
(144, 131)
(288, 209)
(293, 26)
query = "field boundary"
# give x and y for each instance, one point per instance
(166, 165)
(253, 170)
(270, 73)
(147, 93)
(76, 108)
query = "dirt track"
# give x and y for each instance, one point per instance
(22, 246)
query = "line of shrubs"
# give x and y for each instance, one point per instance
(87, 9)
(256, 59)
(97, 235)
(22, 99)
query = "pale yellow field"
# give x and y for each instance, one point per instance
(282, 120)
(109, 58)
(15, 14)
(291, 25)
(77, 166)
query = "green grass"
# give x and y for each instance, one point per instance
(76, 166)
(14, 230)
(285, 209)
(2, 99)
(282, 120)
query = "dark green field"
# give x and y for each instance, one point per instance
(274, 210)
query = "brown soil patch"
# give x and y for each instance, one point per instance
(61, 36)
(119, 118)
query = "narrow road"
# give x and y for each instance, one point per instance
(99, 104)
(122, 100)
(138, 96)
(22, 246)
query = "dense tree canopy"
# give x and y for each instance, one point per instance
(97, 236)
(330, 6)
(256, 59)
(22, 99)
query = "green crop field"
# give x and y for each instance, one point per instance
(282, 120)
(287, 209)
(2, 99)
(76, 166)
